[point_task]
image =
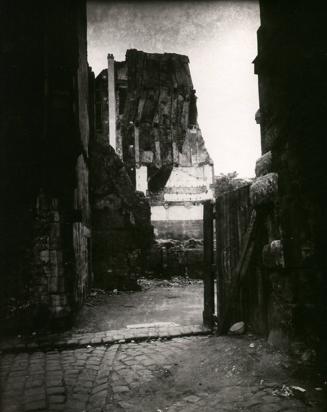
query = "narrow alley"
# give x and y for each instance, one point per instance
(139, 270)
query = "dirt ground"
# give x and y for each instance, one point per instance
(178, 300)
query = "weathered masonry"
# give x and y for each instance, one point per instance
(271, 236)
(45, 213)
(152, 124)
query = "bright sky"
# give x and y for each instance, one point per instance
(219, 37)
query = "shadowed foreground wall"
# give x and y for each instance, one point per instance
(272, 261)
(44, 216)
(291, 176)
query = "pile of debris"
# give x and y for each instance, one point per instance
(175, 281)
(179, 244)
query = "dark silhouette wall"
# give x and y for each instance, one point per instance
(290, 188)
(44, 216)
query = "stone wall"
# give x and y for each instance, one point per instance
(45, 222)
(178, 229)
(171, 257)
(291, 180)
(121, 221)
(180, 221)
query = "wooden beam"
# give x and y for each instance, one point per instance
(209, 297)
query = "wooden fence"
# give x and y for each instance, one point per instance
(229, 227)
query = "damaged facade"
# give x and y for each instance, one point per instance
(146, 109)
(155, 132)
(45, 212)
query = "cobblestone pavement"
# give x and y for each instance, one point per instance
(74, 340)
(197, 373)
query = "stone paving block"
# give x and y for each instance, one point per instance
(55, 390)
(35, 392)
(96, 340)
(57, 407)
(192, 398)
(35, 406)
(120, 389)
(90, 377)
(57, 398)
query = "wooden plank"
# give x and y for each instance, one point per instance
(209, 301)
(239, 274)
(219, 261)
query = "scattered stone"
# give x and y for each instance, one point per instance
(237, 329)
(298, 388)
(298, 392)
(151, 325)
(252, 345)
(284, 391)
(192, 399)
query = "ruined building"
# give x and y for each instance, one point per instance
(149, 141)
(152, 125)
(44, 137)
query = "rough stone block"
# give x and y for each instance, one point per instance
(270, 137)
(55, 237)
(147, 156)
(264, 190)
(273, 254)
(53, 284)
(264, 164)
(45, 256)
(55, 300)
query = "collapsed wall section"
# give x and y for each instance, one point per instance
(162, 143)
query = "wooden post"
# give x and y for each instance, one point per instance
(111, 102)
(219, 264)
(239, 275)
(209, 298)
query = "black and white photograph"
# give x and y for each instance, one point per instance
(163, 226)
